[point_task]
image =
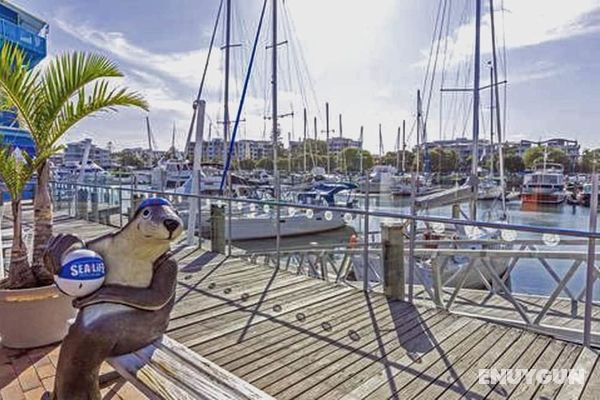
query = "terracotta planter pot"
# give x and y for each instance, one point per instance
(34, 317)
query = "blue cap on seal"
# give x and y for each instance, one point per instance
(153, 201)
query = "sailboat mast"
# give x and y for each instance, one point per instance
(327, 137)
(476, 85)
(418, 155)
(380, 143)
(498, 119)
(274, 94)
(305, 132)
(226, 88)
(398, 148)
(340, 122)
(361, 149)
(491, 121)
(403, 146)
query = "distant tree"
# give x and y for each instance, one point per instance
(442, 160)
(351, 157)
(513, 163)
(590, 161)
(247, 164)
(535, 155)
(264, 163)
(129, 159)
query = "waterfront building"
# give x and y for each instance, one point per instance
(462, 146)
(28, 32)
(212, 150)
(570, 147)
(74, 153)
(338, 144)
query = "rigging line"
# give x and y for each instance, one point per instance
(294, 53)
(200, 89)
(505, 70)
(444, 66)
(243, 97)
(304, 65)
(435, 27)
(434, 69)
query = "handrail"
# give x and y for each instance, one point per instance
(356, 211)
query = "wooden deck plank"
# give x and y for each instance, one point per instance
(250, 315)
(328, 335)
(522, 361)
(269, 302)
(445, 372)
(566, 360)
(592, 386)
(284, 329)
(523, 389)
(312, 368)
(363, 377)
(585, 362)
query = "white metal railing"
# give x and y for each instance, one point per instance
(432, 248)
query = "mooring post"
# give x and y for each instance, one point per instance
(95, 208)
(392, 238)
(217, 227)
(82, 202)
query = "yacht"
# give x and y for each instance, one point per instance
(170, 174)
(545, 185)
(381, 179)
(403, 186)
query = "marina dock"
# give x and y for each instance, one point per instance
(296, 337)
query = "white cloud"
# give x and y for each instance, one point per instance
(524, 23)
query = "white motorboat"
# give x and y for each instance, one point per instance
(545, 185)
(381, 179)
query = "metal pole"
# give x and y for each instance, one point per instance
(476, 71)
(226, 116)
(121, 201)
(305, 135)
(340, 123)
(498, 119)
(492, 122)
(194, 219)
(413, 236)
(361, 149)
(366, 243)
(403, 146)
(275, 129)
(591, 264)
(327, 136)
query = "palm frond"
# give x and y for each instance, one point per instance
(63, 78)
(18, 85)
(15, 173)
(101, 98)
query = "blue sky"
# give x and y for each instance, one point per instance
(366, 58)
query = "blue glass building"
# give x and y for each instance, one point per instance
(29, 33)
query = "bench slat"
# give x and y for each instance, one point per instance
(168, 370)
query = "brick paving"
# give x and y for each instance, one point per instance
(28, 374)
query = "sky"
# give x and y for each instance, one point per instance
(366, 59)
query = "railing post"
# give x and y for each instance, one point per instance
(413, 237)
(591, 263)
(95, 206)
(217, 226)
(366, 232)
(278, 216)
(392, 255)
(81, 210)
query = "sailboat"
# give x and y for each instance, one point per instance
(454, 236)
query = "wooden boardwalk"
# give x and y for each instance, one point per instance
(300, 338)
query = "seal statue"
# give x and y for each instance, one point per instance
(131, 309)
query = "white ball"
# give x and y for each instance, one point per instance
(82, 273)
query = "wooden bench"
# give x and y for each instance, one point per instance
(168, 370)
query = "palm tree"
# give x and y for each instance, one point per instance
(48, 102)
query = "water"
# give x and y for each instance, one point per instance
(529, 275)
